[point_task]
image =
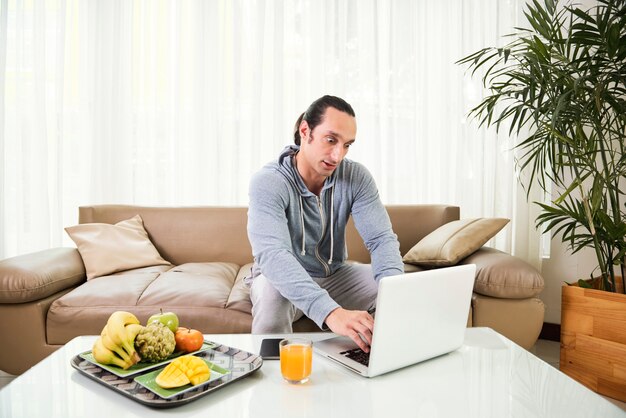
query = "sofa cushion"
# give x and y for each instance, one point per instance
(207, 296)
(192, 284)
(239, 298)
(451, 242)
(501, 275)
(107, 248)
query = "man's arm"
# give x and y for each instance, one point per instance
(372, 221)
(269, 235)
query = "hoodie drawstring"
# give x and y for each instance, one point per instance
(332, 223)
(303, 252)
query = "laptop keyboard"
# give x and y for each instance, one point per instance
(357, 355)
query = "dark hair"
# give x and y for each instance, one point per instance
(314, 114)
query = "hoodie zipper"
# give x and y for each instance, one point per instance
(317, 254)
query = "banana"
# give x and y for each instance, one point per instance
(116, 344)
(108, 343)
(119, 319)
(116, 330)
(131, 333)
(132, 330)
(105, 356)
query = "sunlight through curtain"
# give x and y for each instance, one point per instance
(179, 102)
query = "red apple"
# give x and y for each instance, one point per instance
(188, 340)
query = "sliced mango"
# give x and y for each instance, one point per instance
(182, 371)
(172, 377)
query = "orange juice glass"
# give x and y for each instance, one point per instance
(296, 357)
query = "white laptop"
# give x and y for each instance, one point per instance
(418, 316)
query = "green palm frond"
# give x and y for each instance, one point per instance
(563, 81)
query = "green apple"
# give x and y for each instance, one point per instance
(169, 319)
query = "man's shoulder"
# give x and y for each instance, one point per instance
(269, 179)
(355, 165)
(268, 171)
(354, 169)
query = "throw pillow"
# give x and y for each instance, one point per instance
(107, 248)
(452, 242)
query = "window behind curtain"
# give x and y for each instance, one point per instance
(179, 102)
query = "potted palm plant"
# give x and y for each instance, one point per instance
(560, 86)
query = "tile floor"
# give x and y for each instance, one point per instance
(546, 350)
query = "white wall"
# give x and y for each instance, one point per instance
(561, 267)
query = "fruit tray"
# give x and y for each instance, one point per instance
(140, 367)
(228, 363)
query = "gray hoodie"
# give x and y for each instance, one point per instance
(296, 235)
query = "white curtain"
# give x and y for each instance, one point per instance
(179, 102)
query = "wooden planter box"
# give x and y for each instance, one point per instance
(593, 339)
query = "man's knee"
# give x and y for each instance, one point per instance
(271, 312)
(353, 287)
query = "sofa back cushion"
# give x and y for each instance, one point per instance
(107, 248)
(185, 234)
(411, 223)
(218, 234)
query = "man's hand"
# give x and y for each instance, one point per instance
(352, 324)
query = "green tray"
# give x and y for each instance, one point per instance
(148, 381)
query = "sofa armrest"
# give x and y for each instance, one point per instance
(34, 276)
(502, 275)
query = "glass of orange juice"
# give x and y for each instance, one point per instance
(296, 356)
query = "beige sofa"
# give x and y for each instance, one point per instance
(45, 299)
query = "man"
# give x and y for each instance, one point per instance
(298, 211)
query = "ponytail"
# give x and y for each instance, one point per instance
(296, 130)
(315, 113)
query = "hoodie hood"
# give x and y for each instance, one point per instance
(287, 167)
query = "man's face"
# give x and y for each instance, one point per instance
(327, 144)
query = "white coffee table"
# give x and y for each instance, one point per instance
(488, 377)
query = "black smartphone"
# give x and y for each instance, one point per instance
(270, 349)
